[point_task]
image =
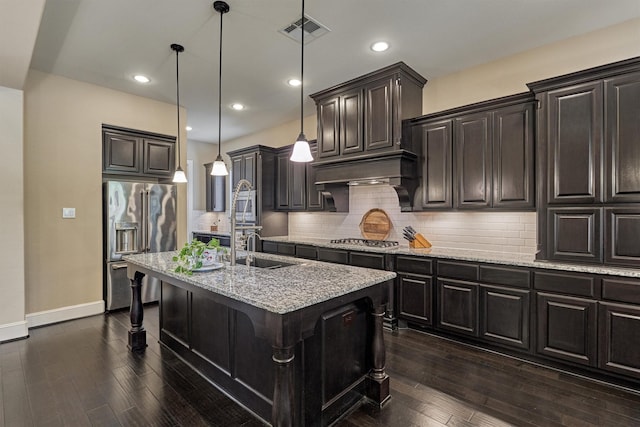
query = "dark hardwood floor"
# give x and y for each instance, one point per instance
(80, 373)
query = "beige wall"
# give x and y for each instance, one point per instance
(12, 299)
(62, 168)
(510, 75)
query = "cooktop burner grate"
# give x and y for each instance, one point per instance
(366, 242)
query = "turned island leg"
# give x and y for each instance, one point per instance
(137, 334)
(378, 380)
(282, 414)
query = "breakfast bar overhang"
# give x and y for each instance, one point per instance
(296, 345)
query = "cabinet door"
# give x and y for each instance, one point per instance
(121, 153)
(415, 298)
(622, 130)
(329, 127)
(297, 185)
(436, 140)
(249, 171)
(473, 161)
(567, 328)
(575, 144)
(378, 116)
(215, 190)
(458, 306)
(513, 152)
(575, 234)
(619, 335)
(315, 201)
(282, 181)
(621, 236)
(158, 157)
(505, 316)
(237, 171)
(351, 140)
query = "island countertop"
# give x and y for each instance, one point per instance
(282, 290)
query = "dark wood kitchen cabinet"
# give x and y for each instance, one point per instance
(575, 234)
(215, 190)
(588, 149)
(291, 183)
(494, 163)
(414, 293)
(567, 316)
(315, 199)
(243, 166)
(458, 306)
(479, 156)
(436, 139)
(364, 115)
(131, 152)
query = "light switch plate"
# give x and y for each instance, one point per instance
(68, 212)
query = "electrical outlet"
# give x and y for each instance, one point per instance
(68, 212)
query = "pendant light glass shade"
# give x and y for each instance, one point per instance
(219, 167)
(178, 176)
(301, 151)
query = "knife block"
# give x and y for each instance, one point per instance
(420, 242)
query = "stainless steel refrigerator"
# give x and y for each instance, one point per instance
(139, 217)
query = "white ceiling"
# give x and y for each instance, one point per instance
(106, 42)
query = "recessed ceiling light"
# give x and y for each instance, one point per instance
(188, 128)
(294, 82)
(237, 106)
(141, 79)
(379, 46)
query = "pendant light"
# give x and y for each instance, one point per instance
(179, 175)
(301, 151)
(219, 168)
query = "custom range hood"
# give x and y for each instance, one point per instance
(397, 168)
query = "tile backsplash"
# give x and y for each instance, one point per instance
(203, 220)
(490, 231)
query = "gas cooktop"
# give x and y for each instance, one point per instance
(366, 242)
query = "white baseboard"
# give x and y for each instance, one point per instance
(64, 313)
(12, 331)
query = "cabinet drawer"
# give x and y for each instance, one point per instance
(517, 277)
(270, 247)
(368, 260)
(573, 284)
(621, 290)
(286, 249)
(458, 270)
(307, 252)
(414, 265)
(333, 255)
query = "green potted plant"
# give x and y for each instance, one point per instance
(196, 254)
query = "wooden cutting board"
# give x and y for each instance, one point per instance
(375, 224)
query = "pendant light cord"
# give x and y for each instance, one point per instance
(302, 71)
(220, 89)
(178, 102)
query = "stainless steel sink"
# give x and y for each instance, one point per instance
(263, 263)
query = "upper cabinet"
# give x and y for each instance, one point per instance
(131, 152)
(478, 156)
(588, 150)
(215, 188)
(291, 184)
(364, 115)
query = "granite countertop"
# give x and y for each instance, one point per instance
(280, 290)
(506, 258)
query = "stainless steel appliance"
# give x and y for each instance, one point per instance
(246, 206)
(139, 217)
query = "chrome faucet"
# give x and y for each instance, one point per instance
(243, 183)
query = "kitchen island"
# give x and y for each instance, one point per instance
(296, 345)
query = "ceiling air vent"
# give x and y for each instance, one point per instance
(312, 30)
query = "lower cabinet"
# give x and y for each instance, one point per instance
(415, 303)
(458, 306)
(567, 328)
(279, 248)
(619, 338)
(505, 316)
